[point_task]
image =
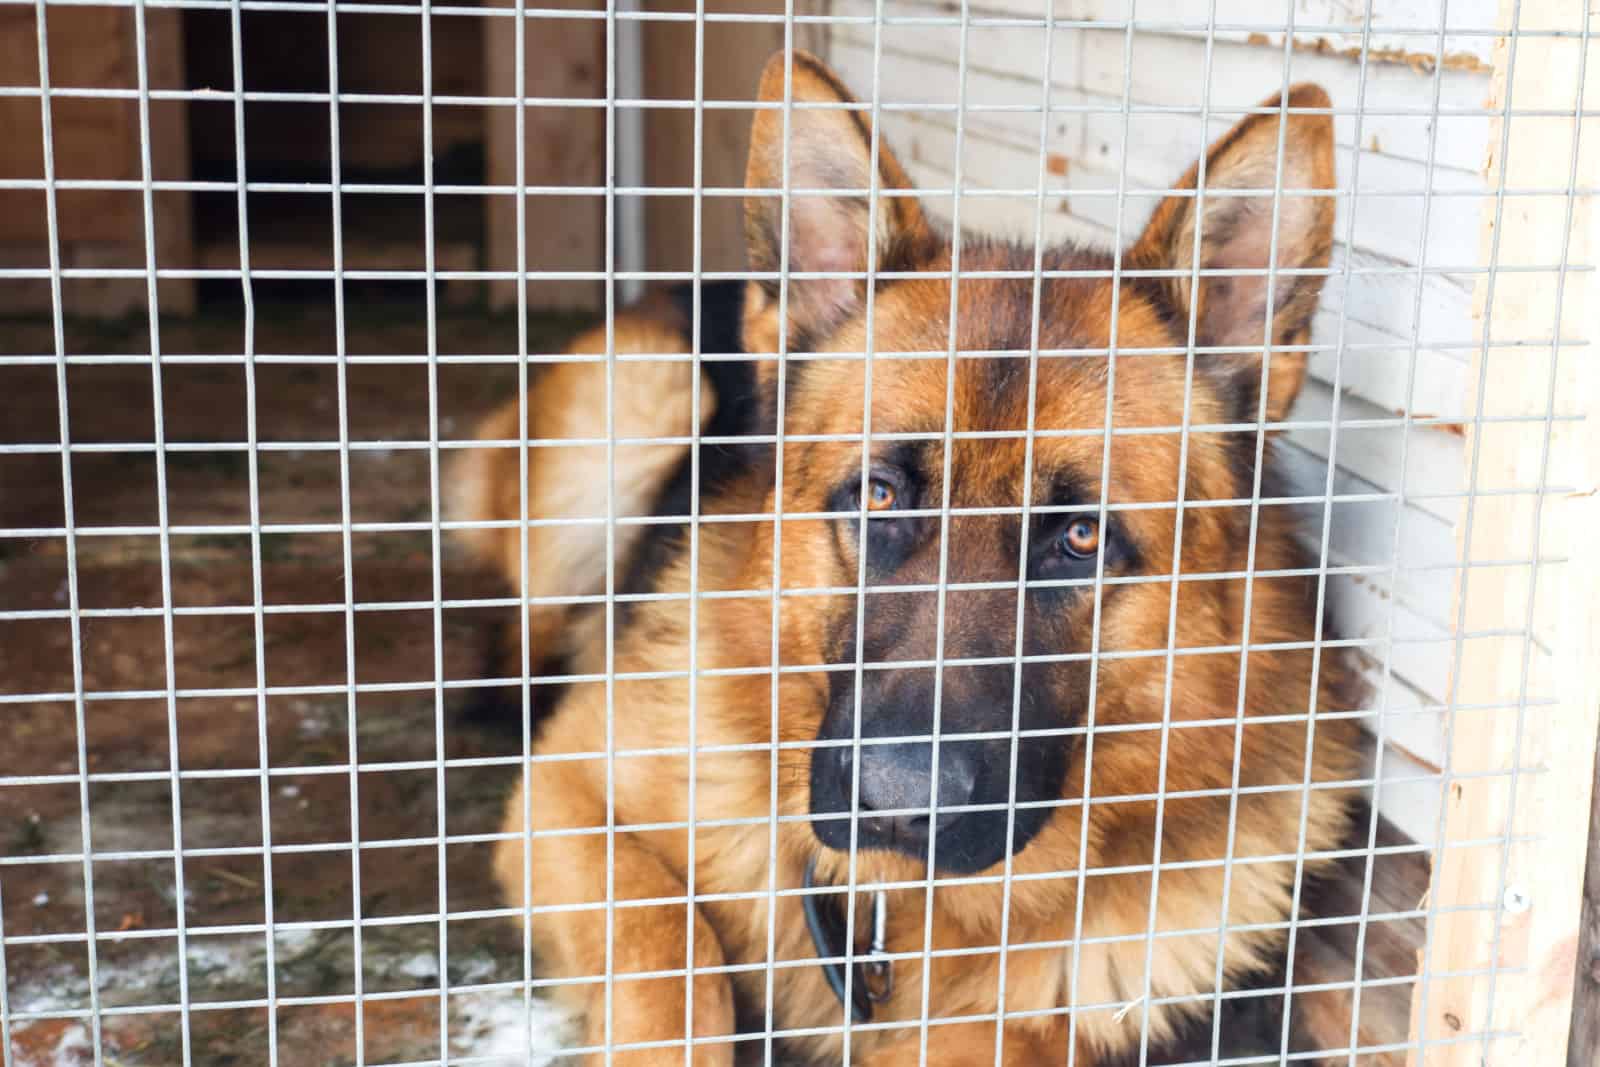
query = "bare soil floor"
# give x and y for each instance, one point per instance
(311, 739)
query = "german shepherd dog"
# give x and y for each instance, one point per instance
(1082, 797)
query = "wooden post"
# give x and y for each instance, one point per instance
(565, 146)
(1526, 897)
(735, 53)
(97, 139)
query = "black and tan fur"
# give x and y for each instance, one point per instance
(1115, 842)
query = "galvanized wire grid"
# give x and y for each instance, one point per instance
(620, 109)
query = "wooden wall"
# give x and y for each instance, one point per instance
(289, 141)
(734, 55)
(565, 146)
(92, 47)
(1503, 955)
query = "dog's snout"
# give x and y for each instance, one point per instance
(898, 779)
(877, 785)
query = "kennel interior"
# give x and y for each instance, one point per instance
(243, 818)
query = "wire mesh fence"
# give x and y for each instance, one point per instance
(871, 531)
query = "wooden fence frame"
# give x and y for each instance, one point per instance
(1498, 971)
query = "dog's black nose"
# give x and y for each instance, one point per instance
(898, 777)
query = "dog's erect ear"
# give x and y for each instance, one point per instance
(828, 149)
(1235, 233)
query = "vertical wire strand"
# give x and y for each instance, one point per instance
(769, 1018)
(69, 524)
(1260, 461)
(346, 536)
(253, 460)
(1537, 532)
(696, 264)
(1386, 676)
(1314, 685)
(1106, 440)
(1036, 313)
(519, 81)
(1177, 546)
(435, 532)
(1458, 641)
(610, 253)
(870, 346)
(1325, 539)
(174, 760)
(953, 341)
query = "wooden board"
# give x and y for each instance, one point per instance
(734, 56)
(1322, 25)
(94, 139)
(1503, 944)
(564, 146)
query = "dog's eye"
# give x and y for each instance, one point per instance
(1080, 539)
(881, 495)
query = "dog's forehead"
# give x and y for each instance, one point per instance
(997, 388)
(1011, 414)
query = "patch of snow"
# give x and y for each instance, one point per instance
(496, 1027)
(226, 960)
(424, 965)
(58, 987)
(292, 942)
(476, 970)
(73, 1048)
(315, 720)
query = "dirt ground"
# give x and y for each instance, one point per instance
(126, 743)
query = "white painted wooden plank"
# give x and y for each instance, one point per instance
(1010, 217)
(1402, 30)
(1433, 456)
(1363, 533)
(1411, 721)
(1167, 71)
(1388, 222)
(1372, 607)
(1170, 72)
(1383, 376)
(1408, 796)
(1387, 227)
(1390, 188)
(1380, 307)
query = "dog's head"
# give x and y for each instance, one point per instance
(952, 459)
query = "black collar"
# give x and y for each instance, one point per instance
(873, 979)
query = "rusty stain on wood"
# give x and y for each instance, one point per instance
(1057, 164)
(1421, 62)
(1454, 429)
